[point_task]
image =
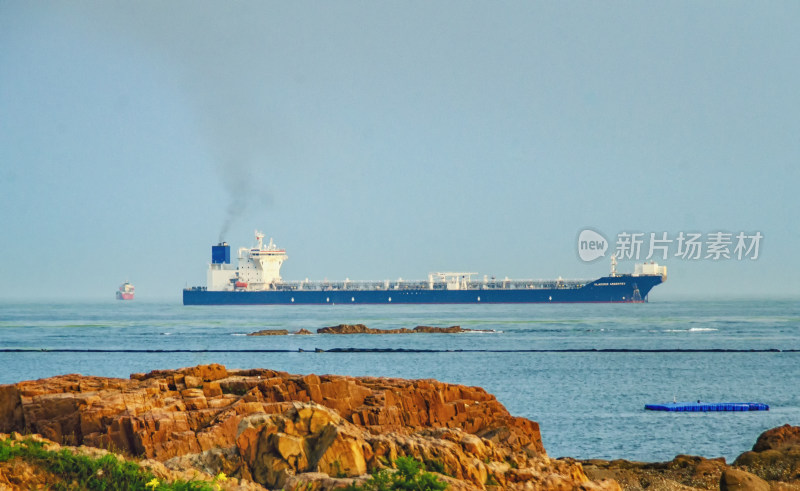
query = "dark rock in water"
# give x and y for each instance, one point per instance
(303, 331)
(362, 329)
(270, 332)
(448, 330)
(347, 329)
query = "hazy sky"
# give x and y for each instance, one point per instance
(377, 140)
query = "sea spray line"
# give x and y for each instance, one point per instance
(401, 350)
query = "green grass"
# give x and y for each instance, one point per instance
(409, 476)
(106, 473)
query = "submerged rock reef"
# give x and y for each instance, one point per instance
(274, 430)
(362, 329)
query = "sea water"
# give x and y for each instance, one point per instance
(584, 372)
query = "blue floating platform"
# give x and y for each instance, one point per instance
(708, 406)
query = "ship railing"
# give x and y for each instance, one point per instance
(350, 285)
(497, 284)
(527, 284)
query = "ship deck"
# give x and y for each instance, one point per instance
(420, 285)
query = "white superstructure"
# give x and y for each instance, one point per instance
(452, 281)
(650, 269)
(259, 267)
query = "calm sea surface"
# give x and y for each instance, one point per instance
(584, 372)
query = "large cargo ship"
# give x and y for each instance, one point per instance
(256, 280)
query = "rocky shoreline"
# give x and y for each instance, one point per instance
(273, 430)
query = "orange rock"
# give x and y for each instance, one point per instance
(279, 425)
(778, 438)
(739, 480)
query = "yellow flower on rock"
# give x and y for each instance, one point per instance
(219, 478)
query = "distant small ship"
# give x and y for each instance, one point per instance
(257, 280)
(125, 292)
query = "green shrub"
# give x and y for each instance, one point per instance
(435, 466)
(104, 474)
(409, 476)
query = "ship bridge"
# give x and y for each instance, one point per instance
(259, 267)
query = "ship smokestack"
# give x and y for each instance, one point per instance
(221, 253)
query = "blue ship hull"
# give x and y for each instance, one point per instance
(622, 288)
(708, 406)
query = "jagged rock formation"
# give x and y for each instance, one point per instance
(362, 329)
(283, 430)
(272, 429)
